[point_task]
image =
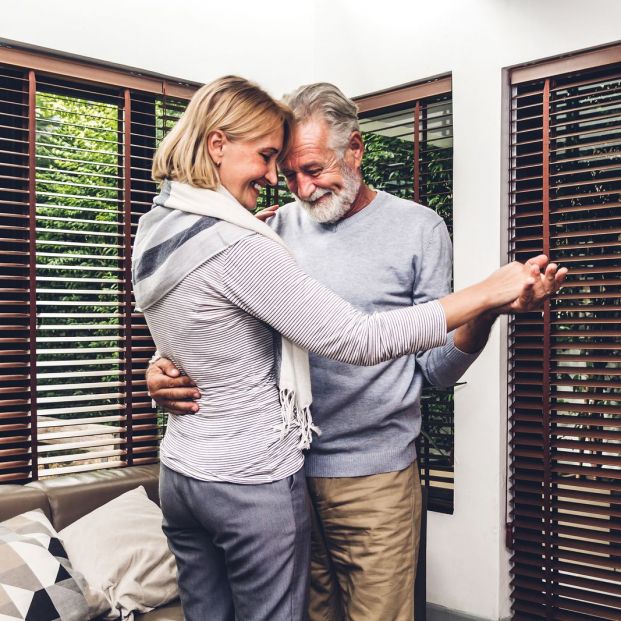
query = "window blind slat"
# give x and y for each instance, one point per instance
(88, 186)
(565, 412)
(14, 214)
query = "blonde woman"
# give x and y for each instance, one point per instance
(225, 301)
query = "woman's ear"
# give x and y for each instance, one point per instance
(215, 145)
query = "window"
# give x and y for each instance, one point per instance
(408, 135)
(564, 407)
(274, 195)
(76, 143)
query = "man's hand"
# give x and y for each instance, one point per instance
(472, 336)
(172, 391)
(267, 213)
(548, 280)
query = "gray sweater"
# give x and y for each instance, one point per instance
(221, 324)
(392, 254)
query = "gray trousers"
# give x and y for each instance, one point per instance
(242, 551)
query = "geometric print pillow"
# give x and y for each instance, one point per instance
(37, 582)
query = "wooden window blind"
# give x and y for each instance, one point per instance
(564, 408)
(76, 143)
(408, 135)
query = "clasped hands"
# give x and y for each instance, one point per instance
(543, 280)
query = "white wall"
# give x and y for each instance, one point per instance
(363, 47)
(269, 41)
(392, 42)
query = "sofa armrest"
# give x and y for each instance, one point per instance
(72, 496)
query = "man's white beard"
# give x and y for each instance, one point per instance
(334, 207)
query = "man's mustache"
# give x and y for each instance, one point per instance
(315, 196)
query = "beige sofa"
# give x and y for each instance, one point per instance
(67, 498)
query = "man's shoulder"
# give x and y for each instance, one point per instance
(289, 215)
(406, 210)
(290, 210)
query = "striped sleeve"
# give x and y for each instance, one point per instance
(263, 279)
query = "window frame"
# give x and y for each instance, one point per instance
(19, 439)
(548, 530)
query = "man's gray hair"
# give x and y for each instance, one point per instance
(326, 101)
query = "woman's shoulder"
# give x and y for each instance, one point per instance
(256, 245)
(253, 248)
(230, 233)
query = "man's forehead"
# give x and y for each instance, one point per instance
(310, 140)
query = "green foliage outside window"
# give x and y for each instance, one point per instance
(77, 230)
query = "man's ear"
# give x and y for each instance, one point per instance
(355, 147)
(215, 145)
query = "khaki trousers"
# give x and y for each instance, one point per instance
(364, 547)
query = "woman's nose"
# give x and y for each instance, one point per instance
(272, 174)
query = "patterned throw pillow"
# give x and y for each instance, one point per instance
(37, 582)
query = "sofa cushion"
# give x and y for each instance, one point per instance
(73, 496)
(37, 580)
(121, 551)
(17, 499)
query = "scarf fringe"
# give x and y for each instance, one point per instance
(296, 417)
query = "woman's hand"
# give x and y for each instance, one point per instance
(506, 285)
(546, 285)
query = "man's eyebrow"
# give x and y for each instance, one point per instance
(307, 166)
(312, 164)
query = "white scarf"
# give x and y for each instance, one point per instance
(162, 229)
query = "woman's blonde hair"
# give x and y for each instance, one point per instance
(238, 108)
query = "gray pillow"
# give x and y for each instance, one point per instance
(37, 581)
(122, 552)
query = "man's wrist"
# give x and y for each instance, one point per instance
(490, 316)
(472, 336)
(483, 320)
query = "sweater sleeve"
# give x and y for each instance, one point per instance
(441, 366)
(263, 279)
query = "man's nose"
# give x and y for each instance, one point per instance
(306, 187)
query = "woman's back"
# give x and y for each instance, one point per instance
(231, 356)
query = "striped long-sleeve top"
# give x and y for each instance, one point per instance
(222, 323)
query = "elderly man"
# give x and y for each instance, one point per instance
(379, 252)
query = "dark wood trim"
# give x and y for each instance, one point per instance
(404, 94)
(93, 72)
(547, 352)
(417, 131)
(32, 269)
(127, 274)
(566, 64)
